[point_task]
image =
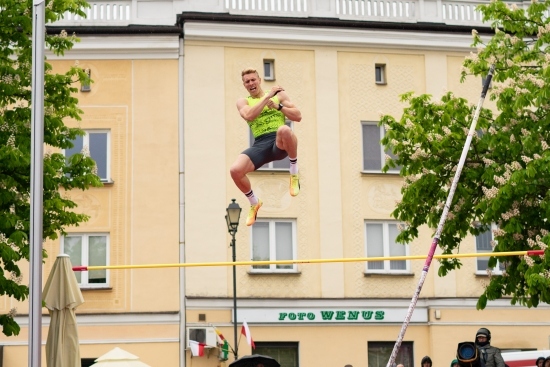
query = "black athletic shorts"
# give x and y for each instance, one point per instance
(264, 150)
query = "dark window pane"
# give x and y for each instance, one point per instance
(98, 152)
(260, 244)
(483, 244)
(283, 239)
(286, 353)
(72, 246)
(396, 249)
(77, 148)
(375, 245)
(372, 160)
(97, 255)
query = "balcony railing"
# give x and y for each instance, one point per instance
(102, 13)
(164, 12)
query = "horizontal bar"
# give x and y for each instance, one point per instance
(312, 261)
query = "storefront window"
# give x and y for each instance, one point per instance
(379, 354)
(286, 353)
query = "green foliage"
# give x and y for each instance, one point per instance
(15, 142)
(506, 179)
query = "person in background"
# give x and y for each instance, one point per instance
(488, 354)
(540, 362)
(426, 362)
(547, 362)
(454, 363)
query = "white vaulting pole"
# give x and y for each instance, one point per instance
(435, 241)
(37, 180)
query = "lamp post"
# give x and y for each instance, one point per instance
(232, 219)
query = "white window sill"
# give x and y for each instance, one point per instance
(274, 272)
(87, 287)
(388, 273)
(396, 173)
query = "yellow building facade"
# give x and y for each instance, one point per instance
(162, 109)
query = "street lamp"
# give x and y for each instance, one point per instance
(232, 219)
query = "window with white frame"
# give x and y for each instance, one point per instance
(98, 143)
(282, 164)
(274, 239)
(380, 73)
(88, 249)
(269, 70)
(483, 244)
(380, 242)
(374, 155)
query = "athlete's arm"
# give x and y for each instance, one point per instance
(250, 113)
(290, 111)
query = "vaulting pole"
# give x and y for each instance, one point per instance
(435, 241)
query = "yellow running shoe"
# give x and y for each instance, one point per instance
(294, 184)
(253, 213)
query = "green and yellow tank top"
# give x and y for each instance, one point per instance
(268, 121)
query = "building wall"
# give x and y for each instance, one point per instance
(136, 96)
(137, 100)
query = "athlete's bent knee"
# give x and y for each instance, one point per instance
(284, 133)
(236, 171)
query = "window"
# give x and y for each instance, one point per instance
(98, 143)
(286, 353)
(379, 353)
(380, 73)
(86, 86)
(274, 240)
(483, 244)
(269, 69)
(283, 164)
(88, 250)
(374, 155)
(380, 242)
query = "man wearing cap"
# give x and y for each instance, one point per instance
(489, 355)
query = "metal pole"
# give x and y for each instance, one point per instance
(37, 180)
(236, 350)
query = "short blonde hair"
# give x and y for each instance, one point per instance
(249, 70)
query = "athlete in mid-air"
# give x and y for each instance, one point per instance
(265, 113)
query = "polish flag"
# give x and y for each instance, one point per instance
(197, 349)
(246, 332)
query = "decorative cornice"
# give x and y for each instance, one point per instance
(323, 36)
(147, 46)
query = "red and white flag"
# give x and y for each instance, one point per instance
(197, 349)
(246, 332)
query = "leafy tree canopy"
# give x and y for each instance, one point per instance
(15, 141)
(506, 179)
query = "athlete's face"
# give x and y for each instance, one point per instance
(252, 83)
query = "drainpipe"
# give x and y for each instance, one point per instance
(183, 320)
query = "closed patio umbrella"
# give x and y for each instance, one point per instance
(62, 295)
(119, 358)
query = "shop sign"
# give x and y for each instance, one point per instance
(327, 315)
